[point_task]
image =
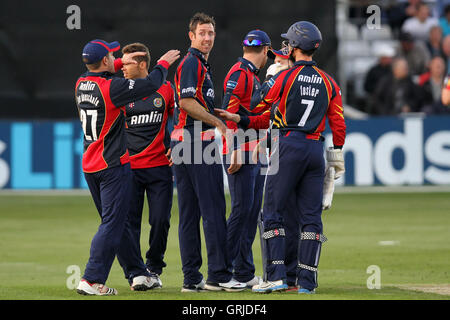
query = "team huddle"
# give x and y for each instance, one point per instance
(129, 153)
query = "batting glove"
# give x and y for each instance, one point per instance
(328, 189)
(335, 159)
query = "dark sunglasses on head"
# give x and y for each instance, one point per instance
(254, 43)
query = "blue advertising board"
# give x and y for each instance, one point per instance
(378, 151)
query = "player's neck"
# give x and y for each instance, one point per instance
(98, 70)
(302, 57)
(143, 74)
(257, 60)
(205, 55)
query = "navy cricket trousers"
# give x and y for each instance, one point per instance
(201, 195)
(298, 167)
(110, 190)
(291, 226)
(246, 190)
(157, 183)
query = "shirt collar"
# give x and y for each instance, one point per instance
(98, 74)
(199, 54)
(305, 63)
(249, 65)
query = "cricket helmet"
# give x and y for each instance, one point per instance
(303, 35)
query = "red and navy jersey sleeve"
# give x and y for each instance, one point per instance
(271, 91)
(335, 116)
(188, 78)
(234, 90)
(124, 91)
(171, 100)
(118, 64)
(261, 121)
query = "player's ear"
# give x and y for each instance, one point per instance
(191, 35)
(105, 60)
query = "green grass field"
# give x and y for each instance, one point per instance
(41, 236)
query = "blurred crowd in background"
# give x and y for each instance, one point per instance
(402, 66)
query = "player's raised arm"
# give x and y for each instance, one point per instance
(124, 91)
(126, 59)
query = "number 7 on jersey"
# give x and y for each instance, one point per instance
(309, 106)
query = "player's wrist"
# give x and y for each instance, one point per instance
(164, 64)
(243, 121)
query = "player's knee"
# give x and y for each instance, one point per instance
(312, 227)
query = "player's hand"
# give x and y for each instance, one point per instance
(235, 161)
(227, 134)
(222, 129)
(128, 58)
(169, 156)
(227, 116)
(335, 159)
(259, 149)
(170, 56)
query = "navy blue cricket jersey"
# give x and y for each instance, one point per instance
(193, 80)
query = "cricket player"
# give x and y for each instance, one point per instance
(242, 94)
(200, 182)
(146, 130)
(281, 62)
(307, 97)
(100, 98)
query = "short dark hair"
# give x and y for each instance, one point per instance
(257, 49)
(308, 53)
(200, 18)
(138, 47)
(93, 66)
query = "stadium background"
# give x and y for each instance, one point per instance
(42, 57)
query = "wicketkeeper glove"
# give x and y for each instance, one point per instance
(274, 68)
(328, 189)
(335, 159)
